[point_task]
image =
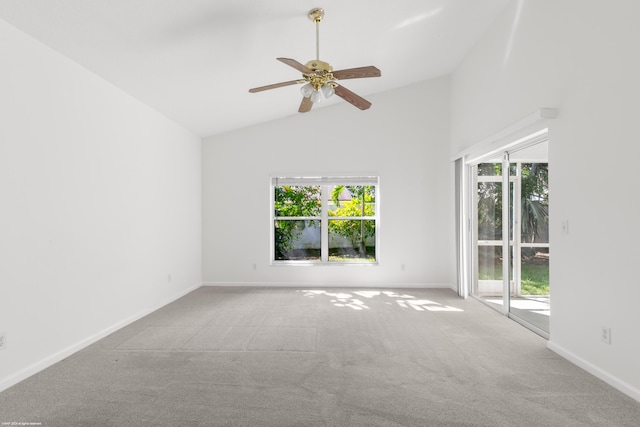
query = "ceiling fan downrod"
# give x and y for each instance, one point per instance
(316, 16)
(320, 82)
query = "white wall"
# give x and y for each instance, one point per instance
(100, 202)
(581, 57)
(403, 138)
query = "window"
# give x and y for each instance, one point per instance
(324, 220)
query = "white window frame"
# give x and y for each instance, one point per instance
(325, 184)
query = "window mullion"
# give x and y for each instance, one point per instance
(324, 223)
(354, 218)
(298, 218)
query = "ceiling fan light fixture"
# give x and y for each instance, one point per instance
(316, 96)
(307, 90)
(327, 90)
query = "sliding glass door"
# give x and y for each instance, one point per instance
(530, 298)
(510, 236)
(490, 219)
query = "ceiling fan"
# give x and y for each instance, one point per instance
(319, 79)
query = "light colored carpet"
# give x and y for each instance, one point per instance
(323, 357)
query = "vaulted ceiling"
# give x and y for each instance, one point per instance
(194, 60)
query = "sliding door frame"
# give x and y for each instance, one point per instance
(467, 271)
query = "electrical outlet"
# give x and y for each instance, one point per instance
(605, 335)
(3, 341)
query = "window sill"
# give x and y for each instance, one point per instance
(321, 264)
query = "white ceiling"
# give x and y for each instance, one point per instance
(194, 60)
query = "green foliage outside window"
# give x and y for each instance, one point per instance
(361, 204)
(293, 201)
(534, 199)
(299, 207)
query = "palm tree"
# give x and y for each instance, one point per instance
(535, 201)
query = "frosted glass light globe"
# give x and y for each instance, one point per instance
(316, 96)
(327, 90)
(306, 90)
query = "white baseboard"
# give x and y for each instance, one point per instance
(394, 285)
(613, 381)
(57, 357)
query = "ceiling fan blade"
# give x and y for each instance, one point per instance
(274, 86)
(295, 64)
(305, 105)
(351, 97)
(356, 73)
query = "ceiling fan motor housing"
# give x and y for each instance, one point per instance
(317, 65)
